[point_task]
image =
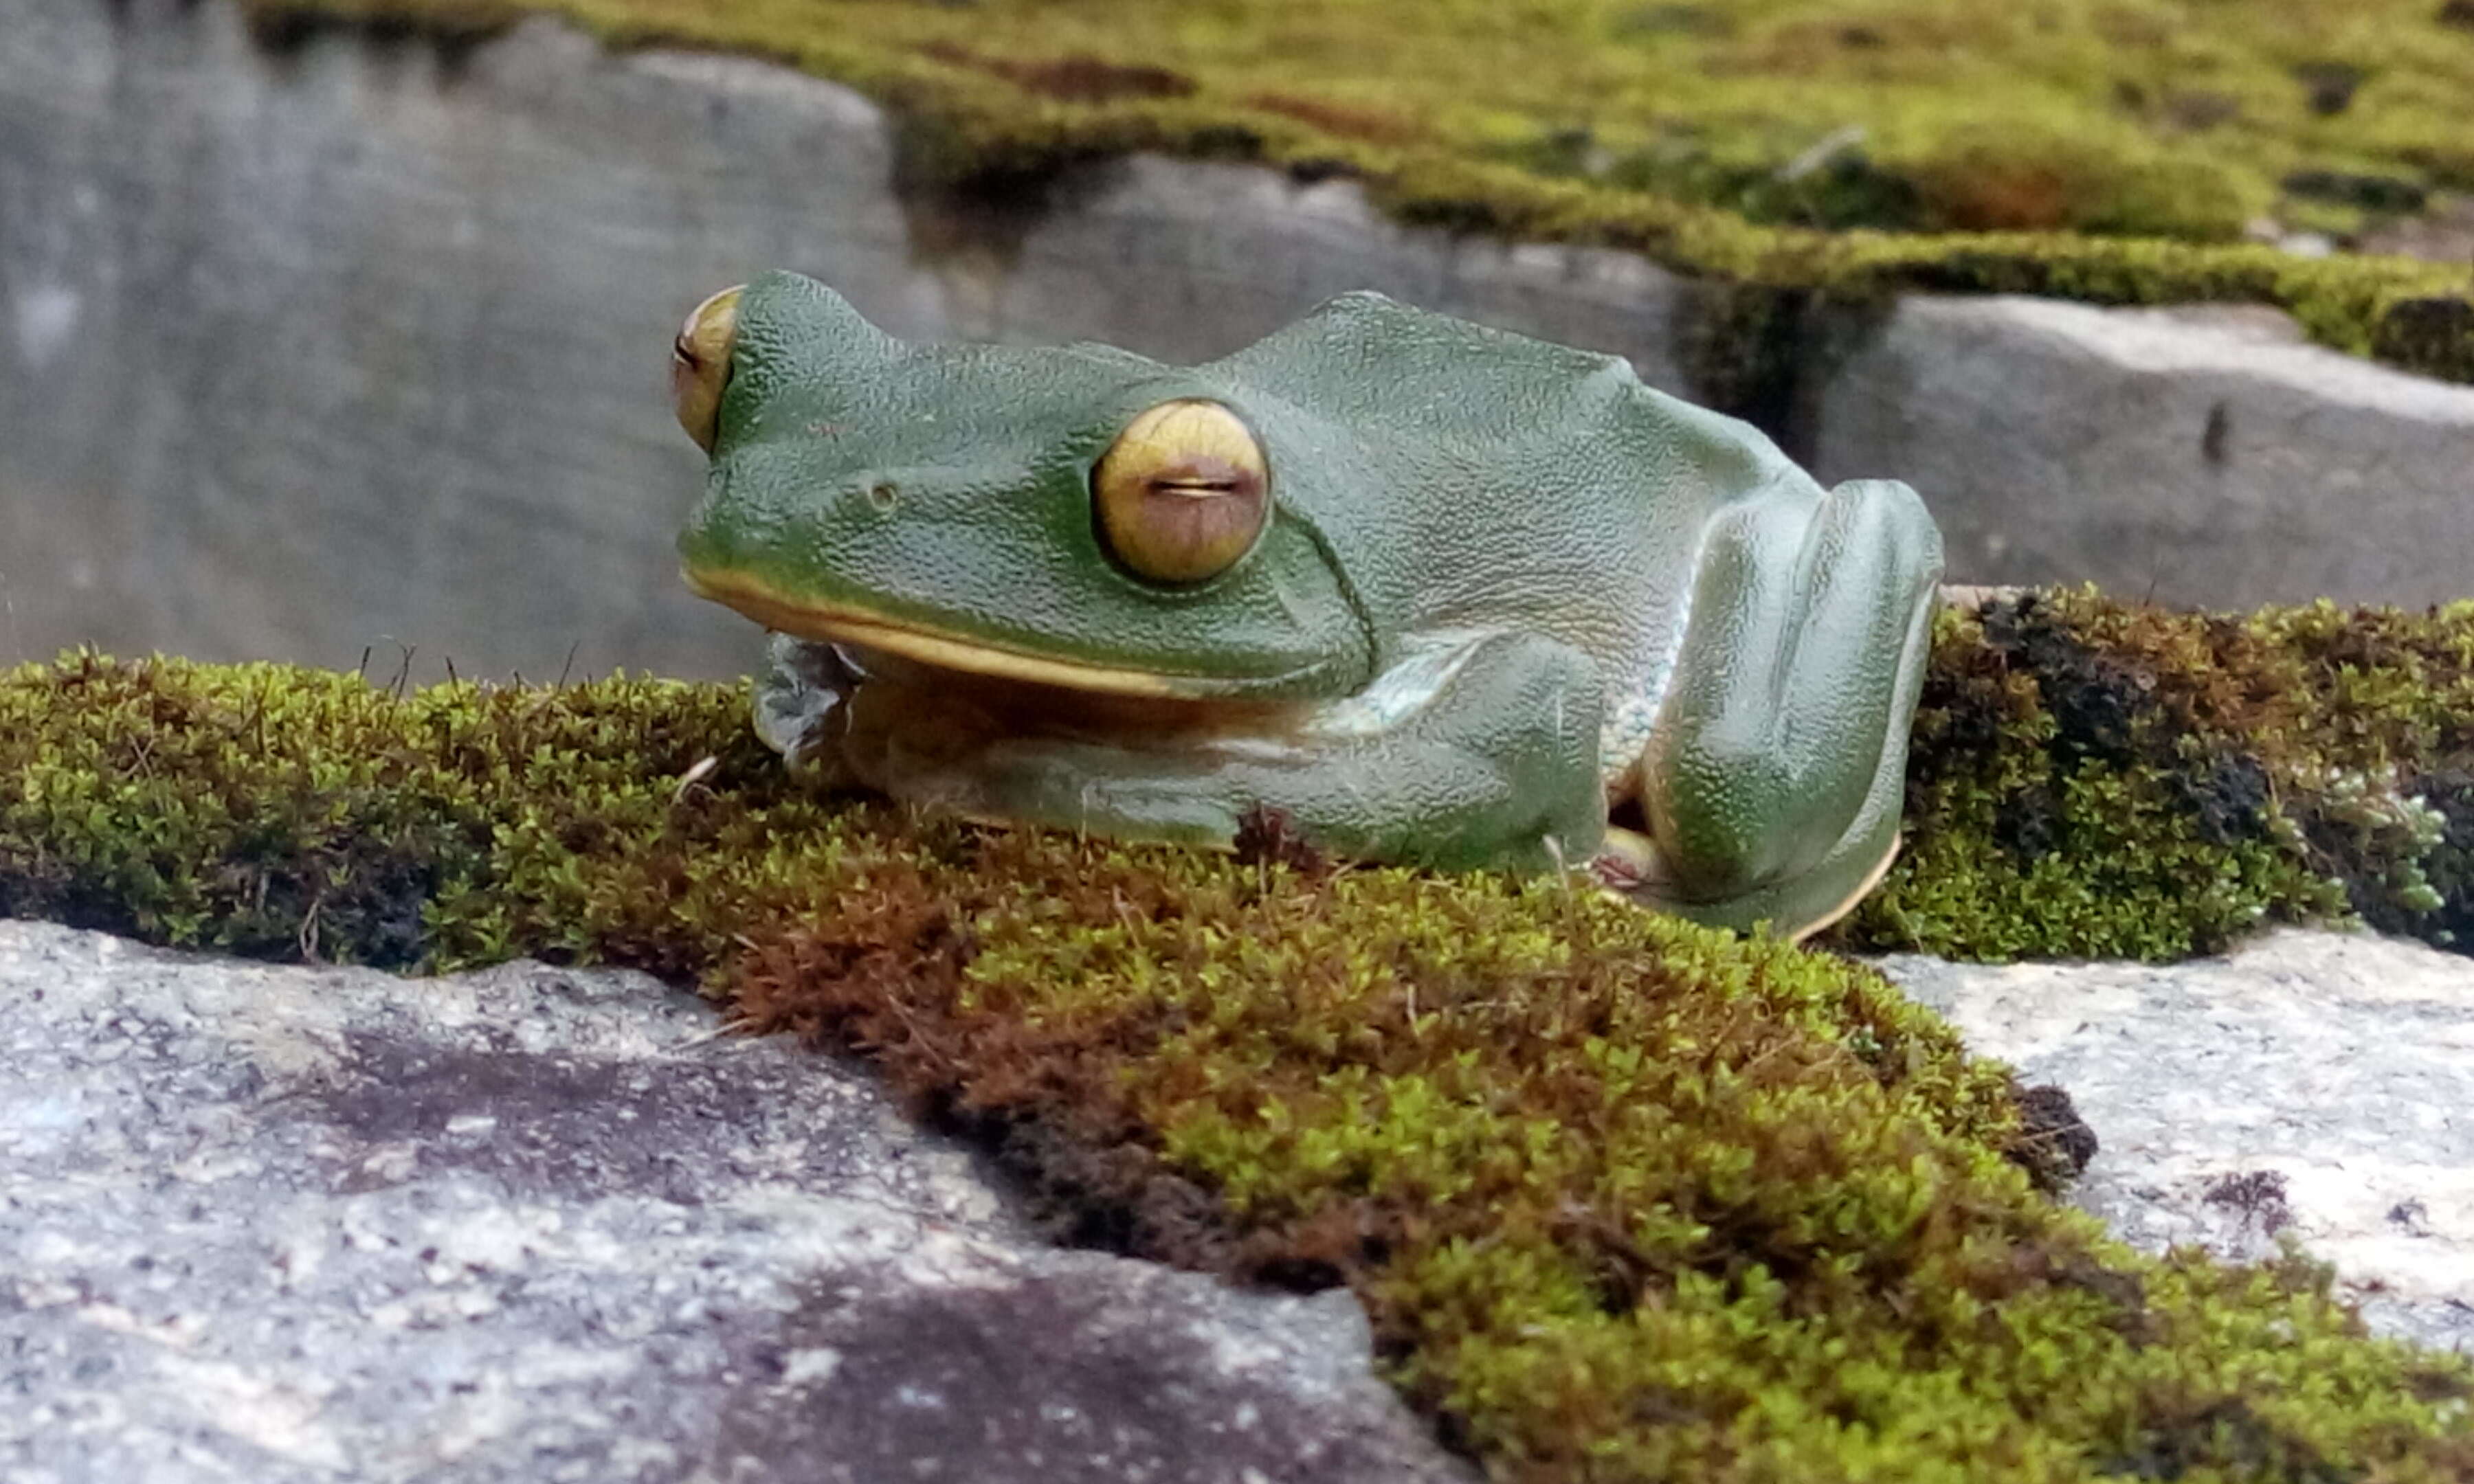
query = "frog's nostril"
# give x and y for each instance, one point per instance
(884, 493)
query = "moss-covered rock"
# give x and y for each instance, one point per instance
(2098, 778)
(2105, 150)
(1626, 1197)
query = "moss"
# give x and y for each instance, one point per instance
(2101, 149)
(1989, 177)
(1625, 1198)
(2092, 778)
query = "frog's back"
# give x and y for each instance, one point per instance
(1484, 478)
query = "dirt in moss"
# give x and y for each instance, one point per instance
(2116, 151)
(1625, 1198)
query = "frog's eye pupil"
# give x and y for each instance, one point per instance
(700, 365)
(1183, 494)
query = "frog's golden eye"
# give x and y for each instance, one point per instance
(700, 364)
(1182, 492)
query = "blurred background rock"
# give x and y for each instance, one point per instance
(340, 329)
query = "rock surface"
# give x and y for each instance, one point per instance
(2313, 1084)
(359, 341)
(364, 343)
(535, 1223)
(2206, 456)
(532, 1224)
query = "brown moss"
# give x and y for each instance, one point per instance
(455, 27)
(2012, 179)
(1346, 121)
(2053, 1143)
(1078, 78)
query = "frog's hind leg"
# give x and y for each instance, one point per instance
(1771, 786)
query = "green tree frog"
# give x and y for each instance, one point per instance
(1441, 594)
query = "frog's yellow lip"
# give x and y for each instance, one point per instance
(843, 624)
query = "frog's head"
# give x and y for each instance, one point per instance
(1077, 516)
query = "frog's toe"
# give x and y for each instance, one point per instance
(1794, 909)
(1630, 868)
(1795, 933)
(1628, 862)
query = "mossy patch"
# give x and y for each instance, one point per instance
(2106, 780)
(1625, 1198)
(2112, 151)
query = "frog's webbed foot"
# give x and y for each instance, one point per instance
(1773, 783)
(1629, 866)
(802, 699)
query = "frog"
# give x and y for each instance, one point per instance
(1423, 593)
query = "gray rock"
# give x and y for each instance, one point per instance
(2312, 1084)
(366, 344)
(360, 342)
(1201, 258)
(532, 1224)
(2207, 456)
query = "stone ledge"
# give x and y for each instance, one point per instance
(532, 1224)
(2207, 455)
(2311, 1084)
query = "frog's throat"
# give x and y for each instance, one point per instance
(843, 624)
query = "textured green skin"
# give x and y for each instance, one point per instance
(1568, 545)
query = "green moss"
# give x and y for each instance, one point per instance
(2092, 778)
(1625, 1198)
(2104, 150)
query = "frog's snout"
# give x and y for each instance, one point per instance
(700, 364)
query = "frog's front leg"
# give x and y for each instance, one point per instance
(1774, 777)
(801, 703)
(1476, 750)
(1471, 752)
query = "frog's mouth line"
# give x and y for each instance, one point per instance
(840, 624)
